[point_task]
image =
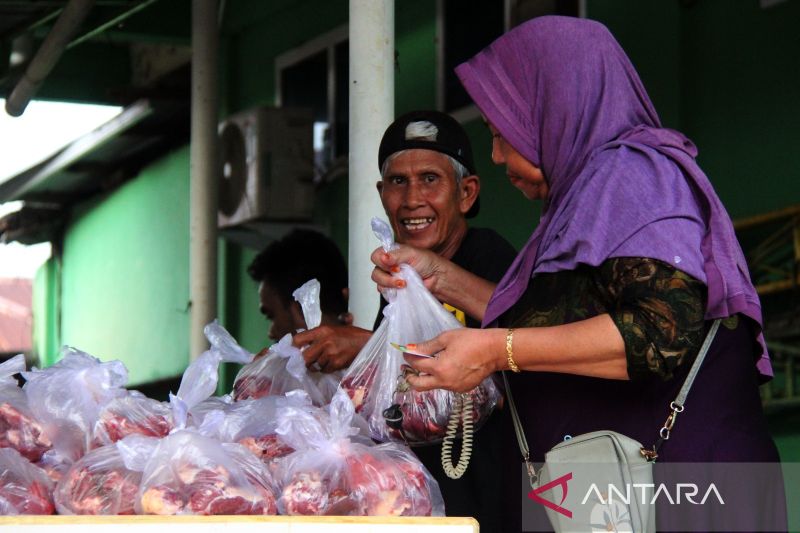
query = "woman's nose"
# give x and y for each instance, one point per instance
(497, 153)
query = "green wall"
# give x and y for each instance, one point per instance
(740, 100)
(46, 312)
(125, 273)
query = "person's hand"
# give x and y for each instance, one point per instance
(464, 358)
(428, 265)
(262, 353)
(331, 347)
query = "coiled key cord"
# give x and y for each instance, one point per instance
(461, 414)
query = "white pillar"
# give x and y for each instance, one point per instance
(203, 174)
(371, 111)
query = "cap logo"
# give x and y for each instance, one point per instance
(421, 130)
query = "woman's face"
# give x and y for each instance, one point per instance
(523, 174)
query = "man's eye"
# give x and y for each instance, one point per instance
(431, 178)
(397, 180)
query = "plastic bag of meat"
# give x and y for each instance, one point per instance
(335, 472)
(375, 380)
(100, 483)
(251, 423)
(18, 427)
(200, 379)
(24, 487)
(188, 473)
(68, 397)
(132, 414)
(283, 368)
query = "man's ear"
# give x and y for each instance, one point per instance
(469, 189)
(379, 186)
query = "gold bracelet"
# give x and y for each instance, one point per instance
(510, 350)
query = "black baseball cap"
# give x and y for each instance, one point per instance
(451, 139)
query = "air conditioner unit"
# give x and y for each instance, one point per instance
(267, 157)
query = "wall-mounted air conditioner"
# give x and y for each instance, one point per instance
(267, 160)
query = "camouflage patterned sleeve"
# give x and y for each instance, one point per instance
(659, 312)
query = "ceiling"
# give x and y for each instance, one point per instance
(130, 53)
(117, 55)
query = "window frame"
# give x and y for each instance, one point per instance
(469, 112)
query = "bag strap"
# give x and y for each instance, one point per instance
(676, 406)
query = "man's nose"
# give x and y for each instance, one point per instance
(273, 333)
(414, 194)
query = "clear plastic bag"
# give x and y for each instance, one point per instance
(252, 423)
(189, 473)
(132, 414)
(19, 429)
(67, 398)
(283, 368)
(24, 487)
(375, 380)
(336, 472)
(200, 378)
(100, 483)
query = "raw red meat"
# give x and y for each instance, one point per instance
(266, 447)
(424, 419)
(99, 493)
(24, 487)
(98, 484)
(250, 387)
(207, 492)
(358, 386)
(133, 414)
(309, 493)
(21, 432)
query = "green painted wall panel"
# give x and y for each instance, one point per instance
(415, 48)
(46, 330)
(740, 100)
(650, 33)
(125, 274)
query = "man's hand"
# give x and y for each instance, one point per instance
(428, 265)
(331, 347)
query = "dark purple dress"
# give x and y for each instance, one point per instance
(659, 313)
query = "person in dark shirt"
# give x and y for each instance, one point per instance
(287, 263)
(429, 189)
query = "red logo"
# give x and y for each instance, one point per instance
(562, 482)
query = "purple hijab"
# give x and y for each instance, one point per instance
(563, 93)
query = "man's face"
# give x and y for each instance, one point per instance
(424, 204)
(285, 318)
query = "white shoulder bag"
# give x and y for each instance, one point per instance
(615, 460)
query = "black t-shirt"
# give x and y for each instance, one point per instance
(483, 252)
(483, 490)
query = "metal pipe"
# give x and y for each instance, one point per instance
(371, 111)
(48, 55)
(203, 173)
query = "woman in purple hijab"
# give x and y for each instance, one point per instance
(606, 306)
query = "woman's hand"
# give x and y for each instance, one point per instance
(428, 265)
(464, 358)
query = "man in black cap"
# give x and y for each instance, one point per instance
(428, 189)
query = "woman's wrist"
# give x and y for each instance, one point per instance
(497, 347)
